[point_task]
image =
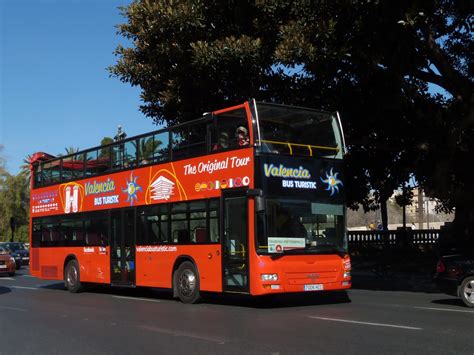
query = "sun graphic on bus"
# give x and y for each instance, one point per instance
(333, 182)
(131, 189)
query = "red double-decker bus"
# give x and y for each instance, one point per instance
(248, 199)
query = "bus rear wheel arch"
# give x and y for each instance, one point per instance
(72, 276)
(186, 283)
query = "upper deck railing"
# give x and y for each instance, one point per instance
(233, 128)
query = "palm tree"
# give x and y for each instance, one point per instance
(25, 167)
(71, 150)
(147, 148)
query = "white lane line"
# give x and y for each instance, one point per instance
(13, 308)
(444, 309)
(7, 278)
(25, 288)
(368, 323)
(179, 333)
(136, 299)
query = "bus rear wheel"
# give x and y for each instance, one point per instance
(72, 277)
(186, 283)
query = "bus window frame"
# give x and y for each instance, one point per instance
(207, 119)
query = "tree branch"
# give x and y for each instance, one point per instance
(454, 82)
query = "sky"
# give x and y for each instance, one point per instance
(55, 90)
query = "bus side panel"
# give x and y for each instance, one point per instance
(51, 262)
(93, 265)
(155, 264)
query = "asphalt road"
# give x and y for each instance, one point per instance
(41, 317)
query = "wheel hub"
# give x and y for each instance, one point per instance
(469, 291)
(72, 276)
(187, 282)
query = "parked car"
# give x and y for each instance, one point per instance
(20, 249)
(455, 276)
(7, 262)
(17, 257)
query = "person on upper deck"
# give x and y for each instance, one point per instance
(222, 142)
(242, 135)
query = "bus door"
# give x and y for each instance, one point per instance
(234, 227)
(122, 247)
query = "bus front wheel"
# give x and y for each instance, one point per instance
(72, 277)
(186, 283)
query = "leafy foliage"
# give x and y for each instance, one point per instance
(374, 61)
(14, 202)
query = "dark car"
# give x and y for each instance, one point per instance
(19, 249)
(455, 276)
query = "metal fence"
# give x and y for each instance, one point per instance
(396, 237)
(395, 242)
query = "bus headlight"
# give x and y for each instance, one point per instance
(269, 277)
(347, 274)
(12, 259)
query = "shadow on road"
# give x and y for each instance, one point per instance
(394, 281)
(55, 286)
(450, 302)
(143, 292)
(268, 301)
(279, 301)
(4, 290)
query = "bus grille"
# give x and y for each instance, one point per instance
(302, 278)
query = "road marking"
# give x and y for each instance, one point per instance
(444, 309)
(7, 278)
(25, 288)
(13, 308)
(28, 276)
(368, 323)
(137, 299)
(184, 334)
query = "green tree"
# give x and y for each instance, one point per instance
(374, 61)
(2, 160)
(14, 202)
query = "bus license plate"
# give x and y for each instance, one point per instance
(314, 287)
(3, 266)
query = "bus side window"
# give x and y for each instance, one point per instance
(214, 221)
(37, 233)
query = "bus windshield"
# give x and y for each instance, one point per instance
(299, 226)
(298, 131)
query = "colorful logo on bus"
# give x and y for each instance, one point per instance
(72, 197)
(162, 189)
(164, 185)
(333, 182)
(131, 189)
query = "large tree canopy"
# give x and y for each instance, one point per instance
(374, 61)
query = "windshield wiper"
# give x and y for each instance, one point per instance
(287, 252)
(330, 248)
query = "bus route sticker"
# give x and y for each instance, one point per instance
(279, 245)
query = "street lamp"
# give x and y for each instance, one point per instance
(121, 135)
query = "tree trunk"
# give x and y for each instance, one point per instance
(463, 226)
(383, 212)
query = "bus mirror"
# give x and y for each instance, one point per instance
(259, 203)
(254, 192)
